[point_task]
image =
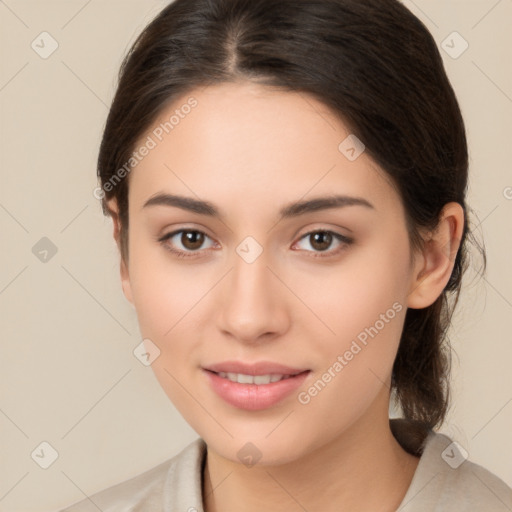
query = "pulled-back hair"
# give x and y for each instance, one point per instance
(377, 67)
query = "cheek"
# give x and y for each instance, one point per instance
(169, 298)
(167, 301)
(362, 307)
(353, 294)
(163, 291)
(355, 363)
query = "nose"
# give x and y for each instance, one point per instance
(253, 304)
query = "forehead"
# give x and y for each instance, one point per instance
(245, 143)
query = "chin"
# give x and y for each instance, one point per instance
(259, 449)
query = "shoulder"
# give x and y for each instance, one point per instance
(447, 480)
(172, 482)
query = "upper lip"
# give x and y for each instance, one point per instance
(259, 368)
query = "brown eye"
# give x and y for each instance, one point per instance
(321, 240)
(185, 242)
(192, 240)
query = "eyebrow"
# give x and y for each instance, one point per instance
(288, 211)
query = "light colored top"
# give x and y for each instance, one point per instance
(444, 481)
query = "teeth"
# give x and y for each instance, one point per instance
(252, 379)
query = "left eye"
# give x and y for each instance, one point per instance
(323, 239)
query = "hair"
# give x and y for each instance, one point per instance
(377, 67)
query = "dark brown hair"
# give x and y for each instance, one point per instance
(377, 67)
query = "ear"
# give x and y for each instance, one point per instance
(125, 276)
(433, 266)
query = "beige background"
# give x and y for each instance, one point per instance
(67, 372)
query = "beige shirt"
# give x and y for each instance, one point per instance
(444, 481)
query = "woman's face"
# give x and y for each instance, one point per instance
(256, 287)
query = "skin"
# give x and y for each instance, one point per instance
(250, 150)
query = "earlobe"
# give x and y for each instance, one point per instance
(433, 269)
(114, 211)
(124, 273)
(125, 281)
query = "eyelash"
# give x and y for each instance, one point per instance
(317, 254)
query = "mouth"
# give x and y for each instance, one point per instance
(259, 369)
(254, 389)
(259, 380)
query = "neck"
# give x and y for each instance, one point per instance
(364, 468)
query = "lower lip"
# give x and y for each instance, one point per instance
(254, 397)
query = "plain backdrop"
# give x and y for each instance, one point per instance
(68, 376)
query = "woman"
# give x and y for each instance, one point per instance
(287, 184)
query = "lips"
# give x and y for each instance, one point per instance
(254, 386)
(259, 368)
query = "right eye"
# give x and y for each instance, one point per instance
(190, 239)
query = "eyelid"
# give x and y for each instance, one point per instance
(326, 230)
(184, 254)
(343, 239)
(330, 253)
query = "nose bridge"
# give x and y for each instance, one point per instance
(251, 306)
(251, 279)
(250, 276)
